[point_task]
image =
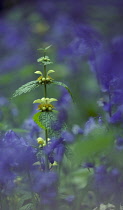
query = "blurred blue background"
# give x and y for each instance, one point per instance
(78, 31)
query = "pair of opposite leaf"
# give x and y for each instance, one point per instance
(36, 83)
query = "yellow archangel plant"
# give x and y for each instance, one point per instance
(46, 110)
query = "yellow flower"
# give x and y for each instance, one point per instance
(45, 80)
(44, 104)
(49, 72)
(54, 164)
(41, 141)
(45, 100)
(18, 180)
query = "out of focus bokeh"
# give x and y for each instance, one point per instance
(87, 55)
(77, 31)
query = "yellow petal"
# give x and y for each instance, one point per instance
(52, 99)
(38, 72)
(50, 71)
(40, 140)
(43, 100)
(37, 101)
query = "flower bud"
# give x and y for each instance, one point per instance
(43, 108)
(48, 79)
(49, 108)
(40, 141)
(43, 79)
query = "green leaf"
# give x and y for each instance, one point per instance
(19, 130)
(44, 60)
(28, 206)
(26, 88)
(26, 196)
(37, 120)
(50, 122)
(79, 178)
(46, 118)
(65, 86)
(46, 48)
(41, 49)
(3, 126)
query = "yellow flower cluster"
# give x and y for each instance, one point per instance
(44, 80)
(42, 142)
(45, 104)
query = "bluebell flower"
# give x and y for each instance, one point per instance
(119, 143)
(86, 42)
(70, 198)
(3, 101)
(7, 174)
(76, 129)
(107, 107)
(88, 165)
(55, 150)
(107, 66)
(32, 128)
(21, 154)
(107, 183)
(45, 184)
(67, 136)
(62, 107)
(100, 121)
(64, 100)
(11, 139)
(115, 172)
(117, 117)
(59, 152)
(90, 125)
(43, 180)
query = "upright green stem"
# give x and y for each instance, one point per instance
(46, 132)
(45, 86)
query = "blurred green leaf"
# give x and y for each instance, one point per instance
(88, 146)
(79, 178)
(65, 86)
(19, 130)
(44, 49)
(28, 206)
(14, 76)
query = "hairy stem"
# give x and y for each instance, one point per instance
(46, 132)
